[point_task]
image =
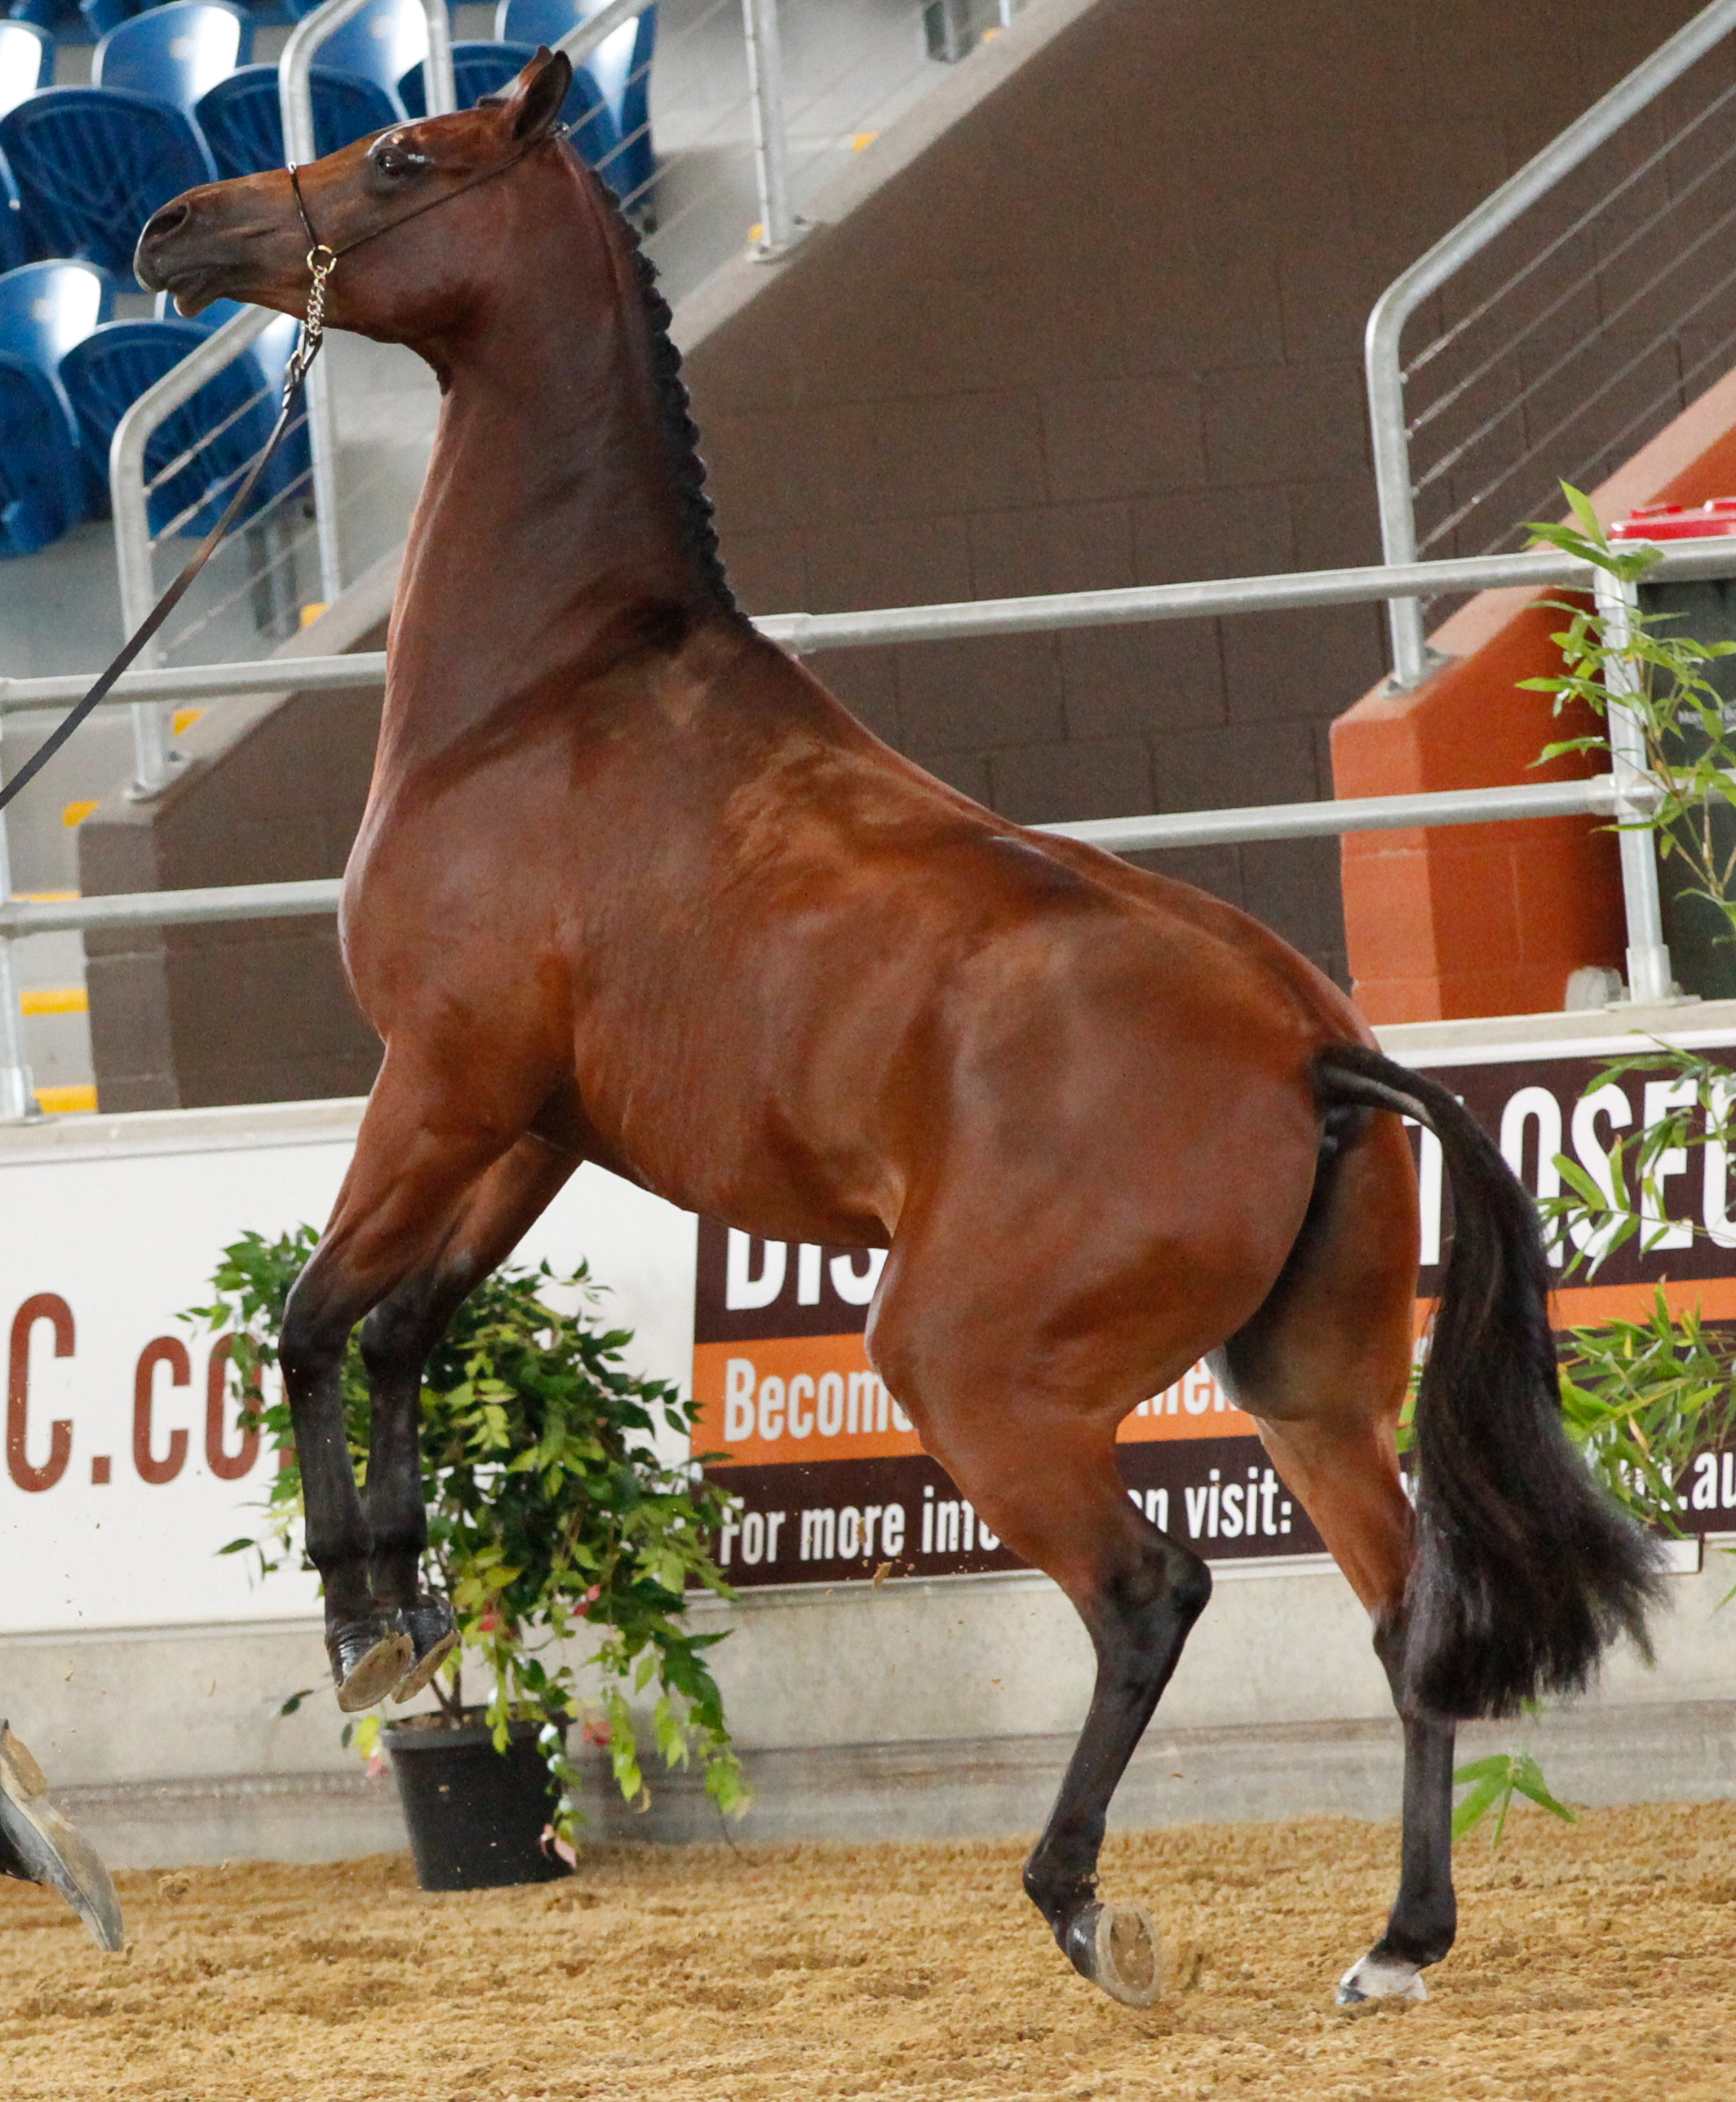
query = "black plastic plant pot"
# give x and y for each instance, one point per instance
(475, 1816)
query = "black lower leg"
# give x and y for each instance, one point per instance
(398, 1519)
(1139, 1623)
(1425, 1918)
(336, 1528)
(368, 1651)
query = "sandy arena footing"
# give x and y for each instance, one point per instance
(1596, 1963)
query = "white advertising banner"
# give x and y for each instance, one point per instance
(126, 1472)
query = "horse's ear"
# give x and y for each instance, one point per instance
(533, 100)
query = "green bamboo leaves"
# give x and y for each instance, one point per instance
(1493, 1782)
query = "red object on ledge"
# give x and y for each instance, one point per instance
(1713, 521)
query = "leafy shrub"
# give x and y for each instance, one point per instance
(549, 1511)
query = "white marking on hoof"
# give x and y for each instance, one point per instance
(1127, 1956)
(1378, 1978)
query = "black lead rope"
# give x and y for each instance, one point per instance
(295, 379)
(322, 261)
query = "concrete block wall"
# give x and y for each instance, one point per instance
(952, 1713)
(1104, 329)
(241, 1011)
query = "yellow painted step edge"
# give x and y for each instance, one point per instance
(58, 1000)
(66, 1102)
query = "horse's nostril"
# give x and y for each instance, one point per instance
(169, 221)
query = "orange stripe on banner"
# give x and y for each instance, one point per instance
(1579, 1306)
(799, 1398)
(796, 1398)
(1582, 1305)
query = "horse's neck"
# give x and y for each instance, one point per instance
(548, 522)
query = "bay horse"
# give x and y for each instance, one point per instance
(633, 888)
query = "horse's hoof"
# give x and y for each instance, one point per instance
(368, 1659)
(428, 1622)
(1116, 1947)
(1377, 1978)
(38, 1845)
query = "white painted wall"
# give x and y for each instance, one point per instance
(125, 1218)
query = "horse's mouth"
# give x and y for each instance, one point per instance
(193, 287)
(194, 262)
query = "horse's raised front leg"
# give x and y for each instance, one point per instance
(421, 1149)
(396, 1340)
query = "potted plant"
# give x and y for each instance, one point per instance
(551, 1516)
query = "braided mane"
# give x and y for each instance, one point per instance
(680, 435)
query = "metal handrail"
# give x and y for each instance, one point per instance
(1385, 379)
(779, 229)
(1626, 794)
(130, 502)
(295, 100)
(807, 634)
(1600, 795)
(580, 43)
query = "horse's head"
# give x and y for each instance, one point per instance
(245, 239)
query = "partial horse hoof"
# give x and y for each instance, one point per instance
(429, 1624)
(1116, 1947)
(38, 1845)
(368, 1659)
(1377, 1978)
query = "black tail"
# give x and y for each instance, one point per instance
(1525, 1571)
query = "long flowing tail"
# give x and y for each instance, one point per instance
(1525, 1571)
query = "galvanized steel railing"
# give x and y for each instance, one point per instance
(1395, 484)
(129, 495)
(1628, 793)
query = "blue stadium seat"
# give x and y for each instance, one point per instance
(478, 70)
(207, 318)
(44, 13)
(46, 308)
(93, 163)
(26, 62)
(235, 410)
(174, 52)
(41, 480)
(14, 248)
(621, 68)
(242, 120)
(100, 16)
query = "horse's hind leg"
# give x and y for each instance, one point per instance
(396, 1340)
(1138, 1593)
(1324, 1366)
(1041, 1471)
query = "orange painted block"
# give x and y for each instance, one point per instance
(1387, 903)
(1400, 1000)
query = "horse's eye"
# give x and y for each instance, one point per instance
(392, 158)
